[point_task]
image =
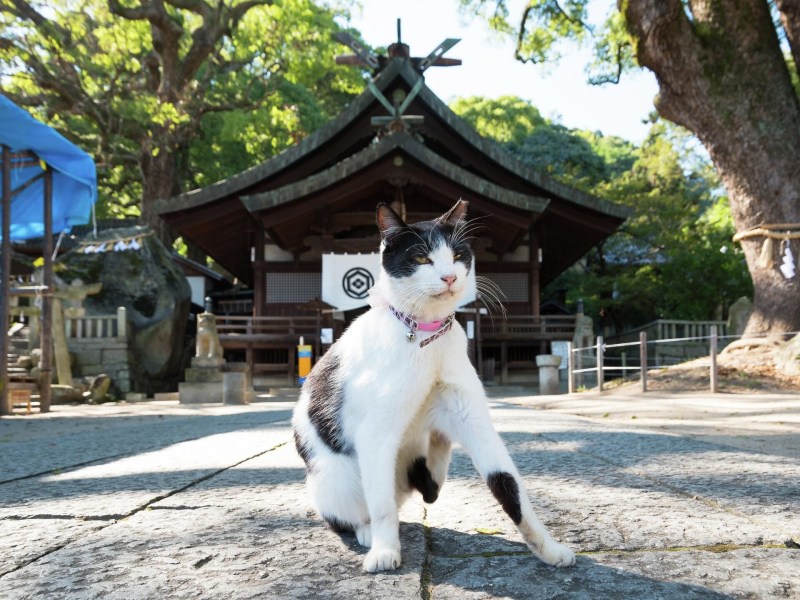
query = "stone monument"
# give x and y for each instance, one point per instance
(738, 315)
(548, 374)
(203, 380)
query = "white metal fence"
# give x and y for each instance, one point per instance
(597, 358)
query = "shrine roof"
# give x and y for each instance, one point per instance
(347, 165)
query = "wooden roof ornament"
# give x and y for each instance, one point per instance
(321, 193)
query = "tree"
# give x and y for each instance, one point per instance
(723, 75)
(169, 94)
(673, 258)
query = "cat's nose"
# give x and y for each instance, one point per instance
(449, 279)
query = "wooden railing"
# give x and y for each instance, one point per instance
(267, 328)
(276, 337)
(518, 339)
(528, 327)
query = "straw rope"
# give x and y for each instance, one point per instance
(773, 231)
(776, 231)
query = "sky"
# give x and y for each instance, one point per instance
(489, 69)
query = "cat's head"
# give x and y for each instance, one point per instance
(424, 265)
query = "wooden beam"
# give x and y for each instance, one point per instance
(259, 276)
(534, 292)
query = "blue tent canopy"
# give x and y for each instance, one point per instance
(74, 175)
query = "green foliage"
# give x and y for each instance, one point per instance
(543, 27)
(546, 21)
(674, 257)
(100, 79)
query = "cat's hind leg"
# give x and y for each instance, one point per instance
(439, 457)
(334, 484)
(427, 470)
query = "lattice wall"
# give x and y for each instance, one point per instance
(293, 287)
(514, 285)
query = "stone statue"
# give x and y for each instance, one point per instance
(207, 345)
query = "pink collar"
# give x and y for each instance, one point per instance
(440, 327)
(432, 326)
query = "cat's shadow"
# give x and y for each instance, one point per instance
(455, 560)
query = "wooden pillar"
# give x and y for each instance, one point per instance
(534, 291)
(47, 299)
(5, 268)
(259, 276)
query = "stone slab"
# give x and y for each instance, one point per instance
(172, 501)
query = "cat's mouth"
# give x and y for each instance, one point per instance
(445, 295)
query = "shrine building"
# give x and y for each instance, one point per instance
(271, 225)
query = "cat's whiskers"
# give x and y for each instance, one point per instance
(490, 295)
(464, 230)
(411, 299)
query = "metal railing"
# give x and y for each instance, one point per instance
(600, 348)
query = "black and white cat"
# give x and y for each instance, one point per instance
(379, 411)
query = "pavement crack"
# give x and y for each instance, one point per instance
(71, 467)
(148, 505)
(202, 562)
(425, 578)
(721, 548)
(113, 519)
(62, 517)
(63, 468)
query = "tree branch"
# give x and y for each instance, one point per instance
(658, 28)
(217, 23)
(790, 19)
(50, 29)
(142, 12)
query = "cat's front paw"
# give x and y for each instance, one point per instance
(382, 559)
(557, 555)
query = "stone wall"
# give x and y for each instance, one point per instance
(112, 356)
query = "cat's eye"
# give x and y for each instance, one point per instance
(456, 257)
(423, 260)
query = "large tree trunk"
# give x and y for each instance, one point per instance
(159, 181)
(723, 76)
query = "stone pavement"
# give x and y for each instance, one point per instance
(662, 497)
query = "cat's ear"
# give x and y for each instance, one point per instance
(455, 214)
(389, 222)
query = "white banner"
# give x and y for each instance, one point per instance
(346, 279)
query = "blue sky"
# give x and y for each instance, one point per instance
(489, 69)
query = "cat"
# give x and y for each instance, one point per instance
(379, 411)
